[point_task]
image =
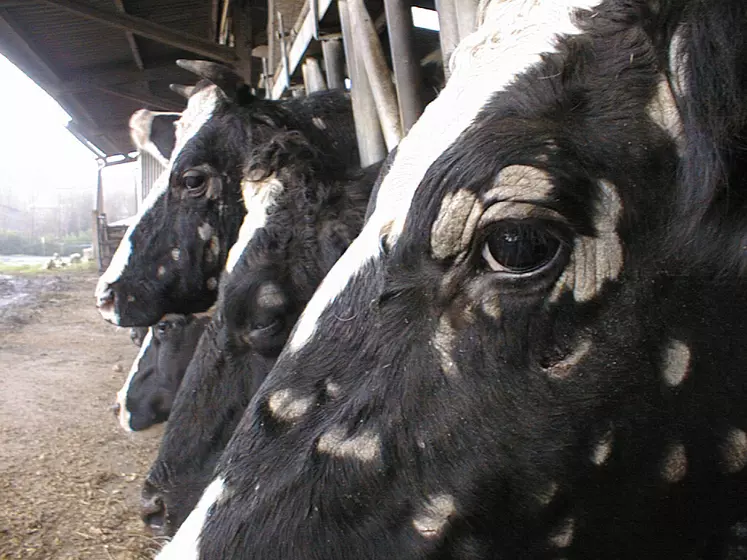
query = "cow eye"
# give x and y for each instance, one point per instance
(163, 326)
(195, 181)
(262, 329)
(520, 247)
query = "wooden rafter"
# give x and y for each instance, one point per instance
(19, 49)
(131, 38)
(145, 28)
(120, 74)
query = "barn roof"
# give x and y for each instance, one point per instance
(104, 59)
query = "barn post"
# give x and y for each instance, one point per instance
(369, 51)
(283, 50)
(448, 31)
(367, 129)
(334, 63)
(406, 65)
(98, 210)
(242, 32)
(466, 12)
(313, 79)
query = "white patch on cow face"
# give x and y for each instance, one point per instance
(674, 464)
(186, 543)
(563, 369)
(434, 516)
(595, 260)
(663, 111)
(319, 123)
(455, 225)
(199, 111)
(122, 254)
(603, 449)
(287, 407)
(678, 63)
(734, 451)
(259, 198)
(365, 447)
(676, 363)
(124, 414)
(444, 342)
(205, 231)
(562, 537)
(511, 39)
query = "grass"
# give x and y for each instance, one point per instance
(38, 269)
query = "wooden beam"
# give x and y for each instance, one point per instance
(241, 19)
(130, 38)
(145, 28)
(213, 21)
(115, 75)
(147, 99)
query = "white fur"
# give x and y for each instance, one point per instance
(200, 109)
(259, 197)
(513, 35)
(124, 414)
(186, 543)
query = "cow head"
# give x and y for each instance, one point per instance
(171, 257)
(316, 210)
(145, 398)
(527, 353)
(170, 260)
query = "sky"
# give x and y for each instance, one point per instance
(38, 156)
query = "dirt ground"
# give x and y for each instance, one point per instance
(69, 476)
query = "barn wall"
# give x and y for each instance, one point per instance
(150, 170)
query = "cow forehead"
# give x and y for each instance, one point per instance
(200, 109)
(512, 37)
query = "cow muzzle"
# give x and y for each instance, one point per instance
(153, 510)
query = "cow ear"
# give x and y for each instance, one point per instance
(219, 74)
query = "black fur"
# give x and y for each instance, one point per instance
(311, 224)
(220, 150)
(508, 436)
(161, 368)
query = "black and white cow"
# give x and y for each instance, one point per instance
(146, 397)
(154, 133)
(317, 209)
(535, 348)
(171, 258)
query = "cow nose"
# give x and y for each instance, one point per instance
(153, 509)
(105, 297)
(115, 409)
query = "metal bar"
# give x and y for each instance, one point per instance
(145, 28)
(283, 49)
(131, 38)
(368, 49)
(334, 63)
(406, 65)
(448, 33)
(314, 8)
(371, 145)
(213, 21)
(223, 28)
(313, 78)
(298, 48)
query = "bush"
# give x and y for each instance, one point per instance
(12, 243)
